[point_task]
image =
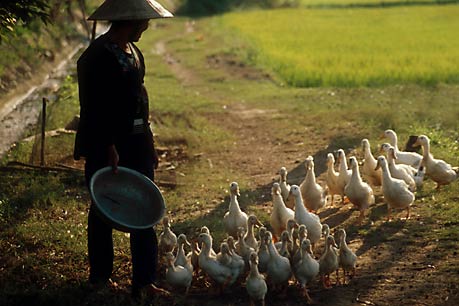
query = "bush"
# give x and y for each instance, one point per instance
(211, 7)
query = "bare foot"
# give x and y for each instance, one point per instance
(150, 291)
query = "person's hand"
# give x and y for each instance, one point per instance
(113, 158)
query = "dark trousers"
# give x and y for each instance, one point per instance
(143, 243)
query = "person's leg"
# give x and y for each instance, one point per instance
(100, 240)
(144, 251)
(100, 248)
(137, 154)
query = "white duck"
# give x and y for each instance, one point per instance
(235, 217)
(231, 260)
(263, 253)
(302, 235)
(281, 213)
(408, 158)
(278, 269)
(249, 237)
(357, 191)
(294, 246)
(332, 178)
(374, 177)
(205, 230)
(224, 256)
(167, 238)
(285, 188)
(328, 262)
(399, 171)
(419, 176)
(312, 193)
(242, 248)
(219, 273)
(291, 226)
(181, 259)
(194, 256)
(307, 269)
(347, 258)
(231, 244)
(344, 175)
(395, 191)
(255, 283)
(176, 275)
(326, 233)
(302, 216)
(438, 170)
(285, 241)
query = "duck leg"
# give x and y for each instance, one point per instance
(338, 282)
(326, 281)
(226, 284)
(389, 214)
(408, 213)
(306, 294)
(360, 218)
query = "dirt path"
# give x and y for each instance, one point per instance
(393, 268)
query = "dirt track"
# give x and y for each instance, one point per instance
(395, 266)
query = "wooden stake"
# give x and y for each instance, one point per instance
(43, 129)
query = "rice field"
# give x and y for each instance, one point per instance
(369, 3)
(348, 47)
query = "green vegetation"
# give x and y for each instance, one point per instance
(211, 7)
(30, 33)
(354, 47)
(369, 3)
(13, 13)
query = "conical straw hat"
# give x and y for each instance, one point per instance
(129, 10)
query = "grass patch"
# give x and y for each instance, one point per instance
(369, 3)
(354, 47)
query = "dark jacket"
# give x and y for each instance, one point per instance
(111, 96)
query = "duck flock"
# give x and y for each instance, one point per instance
(286, 253)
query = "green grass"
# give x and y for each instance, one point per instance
(369, 3)
(354, 47)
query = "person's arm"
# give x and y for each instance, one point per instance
(101, 98)
(113, 157)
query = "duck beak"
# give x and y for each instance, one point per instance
(259, 224)
(416, 143)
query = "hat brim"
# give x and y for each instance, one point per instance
(130, 10)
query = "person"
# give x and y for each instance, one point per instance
(114, 131)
